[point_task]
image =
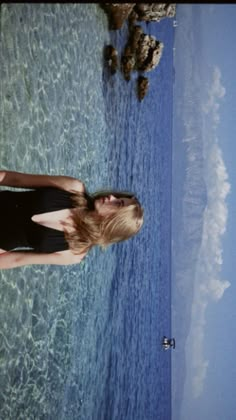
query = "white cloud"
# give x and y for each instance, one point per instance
(199, 378)
(215, 92)
(217, 288)
(195, 344)
(207, 283)
(217, 89)
(208, 288)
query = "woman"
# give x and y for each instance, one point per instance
(56, 221)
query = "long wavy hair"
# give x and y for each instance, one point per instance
(91, 228)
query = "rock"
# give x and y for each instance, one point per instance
(142, 87)
(154, 11)
(142, 52)
(111, 56)
(134, 38)
(148, 53)
(117, 13)
(133, 17)
(127, 62)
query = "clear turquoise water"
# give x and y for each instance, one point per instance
(84, 341)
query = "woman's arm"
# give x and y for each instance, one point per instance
(17, 259)
(22, 180)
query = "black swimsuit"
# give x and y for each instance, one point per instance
(19, 232)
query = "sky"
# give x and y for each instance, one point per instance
(220, 33)
(209, 391)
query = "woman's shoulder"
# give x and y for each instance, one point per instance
(68, 257)
(72, 185)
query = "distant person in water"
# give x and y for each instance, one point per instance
(55, 221)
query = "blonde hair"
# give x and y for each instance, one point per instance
(92, 228)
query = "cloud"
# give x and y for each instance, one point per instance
(217, 89)
(208, 286)
(197, 363)
(199, 378)
(217, 288)
(216, 213)
(215, 92)
(208, 289)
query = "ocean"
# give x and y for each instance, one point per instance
(84, 342)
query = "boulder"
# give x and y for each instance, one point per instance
(154, 11)
(142, 52)
(117, 13)
(127, 62)
(148, 53)
(134, 37)
(111, 56)
(142, 87)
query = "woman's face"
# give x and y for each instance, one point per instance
(106, 205)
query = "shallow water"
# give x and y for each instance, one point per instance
(84, 341)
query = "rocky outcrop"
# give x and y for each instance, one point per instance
(135, 35)
(127, 62)
(148, 53)
(117, 13)
(142, 87)
(142, 52)
(111, 57)
(154, 11)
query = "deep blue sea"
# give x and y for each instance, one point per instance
(84, 342)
